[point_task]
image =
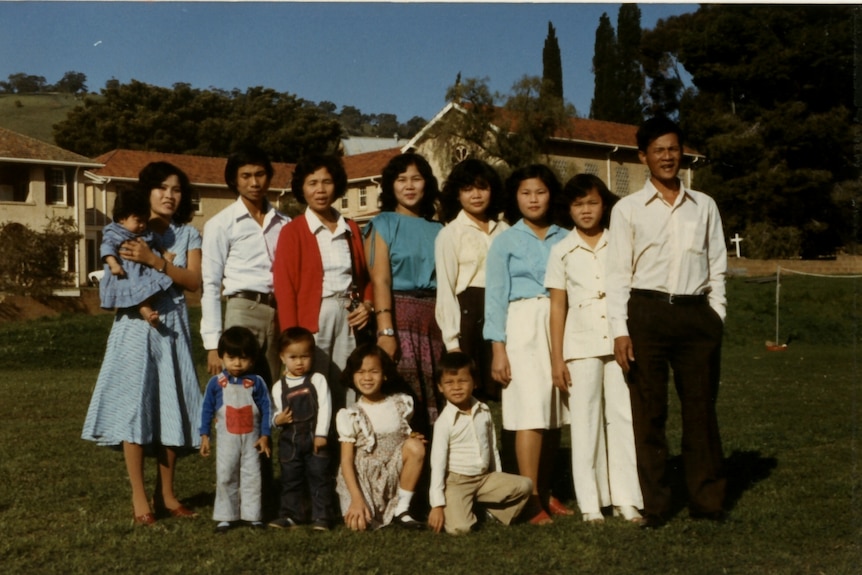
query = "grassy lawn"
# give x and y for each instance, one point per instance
(789, 424)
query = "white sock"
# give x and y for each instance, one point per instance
(404, 498)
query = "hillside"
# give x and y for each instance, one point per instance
(34, 115)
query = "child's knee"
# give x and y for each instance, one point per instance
(413, 449)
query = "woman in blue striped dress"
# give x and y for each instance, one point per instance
(147, 396)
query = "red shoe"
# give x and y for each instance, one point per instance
(182, 512)
(556, 507)
(541, 518)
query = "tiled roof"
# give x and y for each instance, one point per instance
(207, 171)
(368, 164)
(201, 170)
(15, 146)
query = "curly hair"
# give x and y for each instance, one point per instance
(310, 164)
(470, 172)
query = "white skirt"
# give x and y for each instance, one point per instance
(531, 401)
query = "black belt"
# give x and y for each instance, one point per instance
(670, 298)
(264, 298)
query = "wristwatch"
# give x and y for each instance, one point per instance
(388, 331)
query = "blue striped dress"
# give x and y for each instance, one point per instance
(147, 391)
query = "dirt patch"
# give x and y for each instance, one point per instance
(22, 308)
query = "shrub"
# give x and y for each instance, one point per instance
(33, 263)
(763, 241)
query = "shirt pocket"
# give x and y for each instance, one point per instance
(693, 237)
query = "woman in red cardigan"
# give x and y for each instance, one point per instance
(320, 274)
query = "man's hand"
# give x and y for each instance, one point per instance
(624, 352)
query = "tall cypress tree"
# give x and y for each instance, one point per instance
(552, 66)
(630, 77)
(605, 93)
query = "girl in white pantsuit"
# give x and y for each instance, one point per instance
(604, 464)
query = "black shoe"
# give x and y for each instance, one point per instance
(223, 527)
(716, 516)
(404, 520)
(283, 523)
(320, 525)
(257, 525)
(652, 522)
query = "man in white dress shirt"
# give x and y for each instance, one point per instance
(238, 250)
(666, 303)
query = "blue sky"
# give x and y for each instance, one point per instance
(379, 57)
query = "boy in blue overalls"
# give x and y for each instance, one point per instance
(303, 411)
(240, 403)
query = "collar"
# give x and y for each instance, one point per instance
(553, 229)
(239, 211)
(246, 379)
(475, 407)
(463, 219)
(315, 225)
(652, 193)
(577, 242)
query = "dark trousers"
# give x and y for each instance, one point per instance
(472, 342)
(299, 464)
(687, 338)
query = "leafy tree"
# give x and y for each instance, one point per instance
(22, 83)
(31, 262)
(605, 93)
(552, 66)
(186, 120)
(629, 77)
(72, 83)
(772, 114)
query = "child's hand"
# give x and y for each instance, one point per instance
(419, 436)
(205, 445)
(262, 445)
(285, 417)
(436, 519)
(358, 515)
(319, 443)
(560, 373)
(115, 267)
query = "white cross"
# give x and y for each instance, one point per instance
(736, 240)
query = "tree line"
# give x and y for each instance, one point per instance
(20, 83)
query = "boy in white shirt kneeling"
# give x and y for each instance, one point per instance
(465, 464)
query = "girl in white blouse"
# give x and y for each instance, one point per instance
(471, 200)
(604, 464)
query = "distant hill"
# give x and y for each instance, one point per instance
(34, 115)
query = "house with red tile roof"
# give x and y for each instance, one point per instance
(605, 149)
(40, 181)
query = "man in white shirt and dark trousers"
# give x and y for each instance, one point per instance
(666, 303)
(238, 250)
(465, 464)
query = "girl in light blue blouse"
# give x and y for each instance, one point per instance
(517, 324)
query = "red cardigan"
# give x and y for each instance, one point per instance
(297, 274)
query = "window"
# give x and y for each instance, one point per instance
(14, 183)
(591, 168)
(363, 197)
(621, 181)
(196, 202)
(55, 186)
(561, 167)
(460, 153)
(345, 203)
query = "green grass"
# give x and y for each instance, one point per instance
(789, 425)
(36, 114)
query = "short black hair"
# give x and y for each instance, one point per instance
(155, 173)
(578, 187)
(656, 127)
(397, 166)
(310, 164)
(452, 361)
(392, 380)
(295, 334)
(470, 172)
(131, 202)
(238, 341)
(245, 156)
(511, 211)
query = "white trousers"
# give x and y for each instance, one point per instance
(604, 464)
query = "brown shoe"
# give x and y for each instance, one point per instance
(145, 519)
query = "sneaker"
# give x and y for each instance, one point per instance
(320, 525)
(283, 523)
